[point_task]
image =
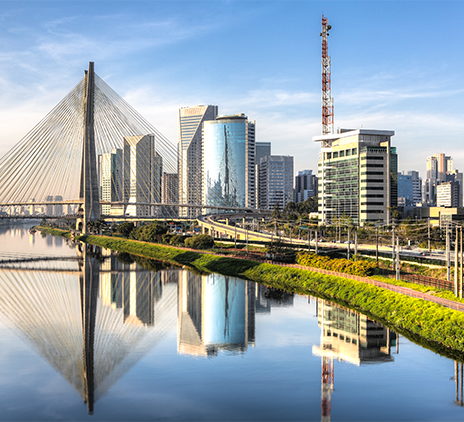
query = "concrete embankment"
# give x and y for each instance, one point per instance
(419, 318)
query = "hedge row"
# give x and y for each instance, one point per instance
(359, 267)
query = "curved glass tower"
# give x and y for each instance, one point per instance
(229, 162)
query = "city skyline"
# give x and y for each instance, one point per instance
(382, 77)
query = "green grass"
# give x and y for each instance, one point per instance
(431, 325)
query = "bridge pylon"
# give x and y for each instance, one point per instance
(88, 191)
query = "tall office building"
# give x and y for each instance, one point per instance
(275, 181)
(170, 194)
(262, 149)
(358, 176)
(111, 181)
(409, 188)
(229, 161)
(143, 172)
(305, 185)
(190, 154)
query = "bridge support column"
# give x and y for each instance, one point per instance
(89, 178)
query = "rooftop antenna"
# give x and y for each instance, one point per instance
(327, 100)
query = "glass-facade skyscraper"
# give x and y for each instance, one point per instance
(229, 162)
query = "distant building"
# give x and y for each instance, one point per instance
(409, 188)
(437, 167)
(358, 176)
(170, 194)
(49, 208)
(58, 208)
(305, 185)
(456, 176)
(275, 181)
(229, 161)
(190, 154)
(448, 194)
(111, 181)
(143, 172)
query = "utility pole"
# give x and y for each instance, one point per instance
(235, 237)
(448, 255)
(397, 258)
(309, 240)
(356, 242)
(429, 234)
(317, 246)
(377, 244)
(393, 246)
(456, 256)
(246, 228)
(460, 267)
(349, 246)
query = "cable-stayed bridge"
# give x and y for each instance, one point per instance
(93, 156)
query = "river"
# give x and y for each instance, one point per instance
(88, 335)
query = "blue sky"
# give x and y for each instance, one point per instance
(396, 65)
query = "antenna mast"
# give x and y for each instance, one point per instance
(327, 100)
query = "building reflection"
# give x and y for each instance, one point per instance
(348, 336)
(216, 313)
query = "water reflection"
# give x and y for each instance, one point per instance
(348, 336)
(94, 316)
(215, 313)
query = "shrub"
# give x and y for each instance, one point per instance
(177, 239)
(200, 241)
(342, 265)
(166, 238)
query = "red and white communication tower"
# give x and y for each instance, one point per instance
(327, 100)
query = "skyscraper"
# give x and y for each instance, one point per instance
(305, 185)
(275, 181)
(229, 161)
(143, 171)
(358, 176)
(190, 154)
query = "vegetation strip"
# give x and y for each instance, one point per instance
(418, 319)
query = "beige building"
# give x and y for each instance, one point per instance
(358, 176)
(190, 129)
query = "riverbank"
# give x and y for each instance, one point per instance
(429, 324)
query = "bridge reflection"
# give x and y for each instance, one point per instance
(97, 317)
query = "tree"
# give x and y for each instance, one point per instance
(150, 233)
(276, 211)
(126, 228)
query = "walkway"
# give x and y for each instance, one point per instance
(397, 289)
